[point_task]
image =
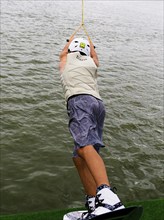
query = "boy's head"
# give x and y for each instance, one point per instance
(81, 45)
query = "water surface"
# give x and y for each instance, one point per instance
(37, 172)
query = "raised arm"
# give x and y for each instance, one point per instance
(93, 53)
(63, 54)
(92, 48)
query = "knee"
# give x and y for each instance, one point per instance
(84, 151)
(81, 152)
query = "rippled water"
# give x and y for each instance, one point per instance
(37, 172)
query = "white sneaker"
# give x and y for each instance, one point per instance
(106, 201)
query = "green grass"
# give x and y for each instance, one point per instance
(153, 210)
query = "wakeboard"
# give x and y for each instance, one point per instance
(130, 213)
(73, 215)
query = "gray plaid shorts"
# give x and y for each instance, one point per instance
(86, 119)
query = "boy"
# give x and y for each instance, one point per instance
(78, 67)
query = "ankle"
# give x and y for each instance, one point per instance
(103, 186)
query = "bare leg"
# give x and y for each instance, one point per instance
(85, 176)
(95, 165)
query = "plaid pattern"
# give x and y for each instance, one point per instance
(86, 119)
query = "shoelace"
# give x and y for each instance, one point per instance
(89, 204)
(86, 217)
(99, 202)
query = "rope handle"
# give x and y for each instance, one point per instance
(81, 26)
